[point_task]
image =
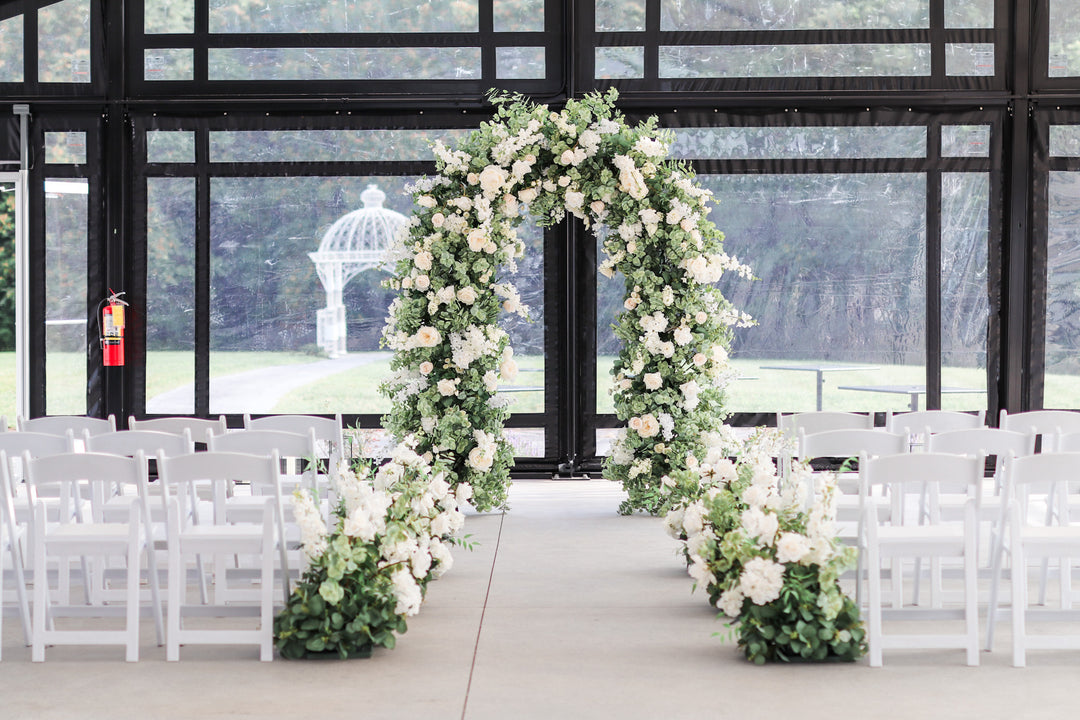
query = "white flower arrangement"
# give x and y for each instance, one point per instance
(768, 561)
(368, 571)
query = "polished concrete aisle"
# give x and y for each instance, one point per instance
(564, 610)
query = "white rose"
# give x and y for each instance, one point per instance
(448, 388)
(527, 195)
(567, 158)
(426, 367)
(422, 282)
(653, 381)
(438, 219)
(425, 201)
(480, 460)
(492, 179)
(511, 304)
(427, 336)
(700, 317)
(683, 335)
(649, 426)
(630, 303)
(477, 239)
(597, 207)
(700, 359)
(467, 295)
(490, 247)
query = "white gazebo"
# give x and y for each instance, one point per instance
(354, 243)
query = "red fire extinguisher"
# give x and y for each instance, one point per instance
(112, 331)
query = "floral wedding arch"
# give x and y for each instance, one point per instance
(675, 328)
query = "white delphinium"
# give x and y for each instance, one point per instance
(761, 580)
(310, 521)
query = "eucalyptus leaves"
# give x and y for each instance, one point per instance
(587, 162)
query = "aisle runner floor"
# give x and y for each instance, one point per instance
(564, 610)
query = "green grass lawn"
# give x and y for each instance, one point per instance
(355, 390)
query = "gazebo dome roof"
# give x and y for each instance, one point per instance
(364, 234)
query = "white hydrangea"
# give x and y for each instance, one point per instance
(731, 602)
(761, 580)
(792, 547)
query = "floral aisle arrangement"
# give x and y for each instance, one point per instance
(390, 535)
(767, 560)
(458, 247)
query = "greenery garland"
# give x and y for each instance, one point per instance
(450, 355)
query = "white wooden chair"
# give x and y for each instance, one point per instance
(197, 427)
(851, 443)
(990, 442)
(1031, 481)
(12, 546)
(906, 477)
(328, 432)
(917, 425)
(296, 449)
(61, 424)
(1045, 423)
(82, 533)
(187, 536)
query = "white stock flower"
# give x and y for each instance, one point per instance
(407, 592)
(761, 581)
(792, 547)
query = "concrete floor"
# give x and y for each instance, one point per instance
(564, 610)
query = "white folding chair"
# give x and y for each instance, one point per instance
(1045, 423)
(850, 443)
(990, 442)
(917, 425)
(329, 432)
(12, 546)
(89, 533)
(1032, 483)
(197, 427)
(906, 478)
(188, 536)
(61, 424)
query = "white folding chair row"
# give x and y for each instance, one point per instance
(196, 427)
(907, 532)
(1044, 423)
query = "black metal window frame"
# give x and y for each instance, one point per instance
(201, 41)
(31, 86)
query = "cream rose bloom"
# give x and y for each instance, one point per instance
(477, 239)
(448, 387)
(467, 295)
(423, 260)
(508, 369)
(422, 282)
(480, 459)
(492, 178)
(653, 381)
(427, 336)
(649, 426)
(426, 368)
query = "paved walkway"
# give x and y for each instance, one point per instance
(258, 391)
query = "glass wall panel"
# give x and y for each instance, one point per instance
(343, 16)
(965, 141)
(793, 15)
(168, 16)
(11, 49)
(414, 63)
(8, 372)
(520, 63)
(170, 146)
(65, 296)
(1065, 141)
(1062, 381)
(620, 15)
(168, 64)
(266, 296)
(837, 288)
(615, 63)
(518, 15)
(64, 42)
(965, 291)
(65, 148)
(1064, 60)
(855, 60)
(326, 145)
(969, 59)
(969, 13)
(775, 143)
(170, 295)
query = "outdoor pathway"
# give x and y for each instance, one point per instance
(257, 391)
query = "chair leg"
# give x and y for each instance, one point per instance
(20, 593)
(1066, 582)
(41, 602)
(266, 604)
(873, 566)
(132, 631)
(997, 553)
(177, 583)
(1019, 605)
(971, 605)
